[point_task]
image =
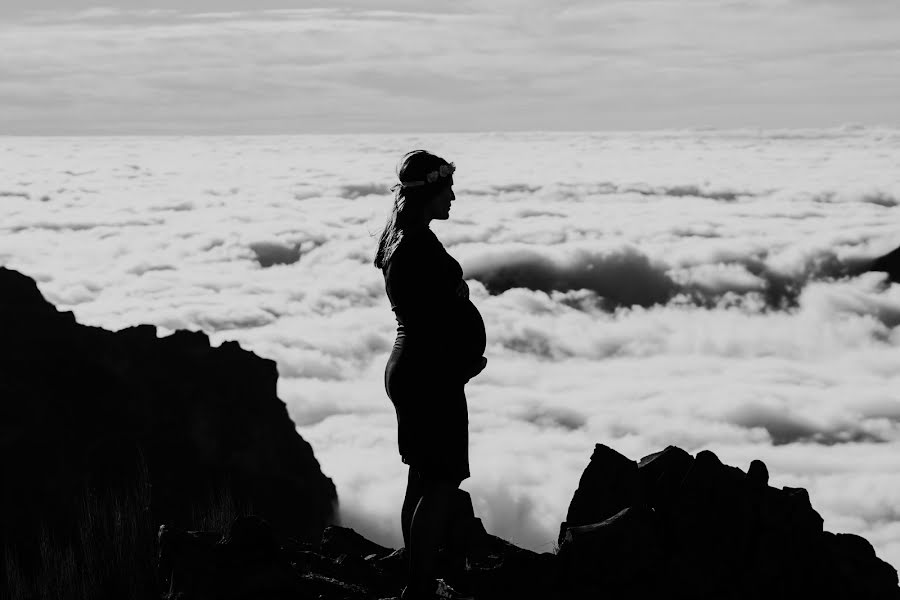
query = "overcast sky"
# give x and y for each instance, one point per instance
(273, 66)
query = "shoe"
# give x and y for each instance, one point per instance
(448, 593)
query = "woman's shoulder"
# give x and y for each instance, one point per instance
(408, 248)
(418, 250)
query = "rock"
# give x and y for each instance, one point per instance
(889, 263)
(758, 474)
(343, 540)
(802, 518)
(708, 530)
(609, 484)
(242, 565)
(251, 537)
(497, 569)
(185, 430)
(861, 573)
(185, 560)
(621, 555)
(329, 588)
(661, 475)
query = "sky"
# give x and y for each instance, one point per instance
(701, 289)
(76, 67)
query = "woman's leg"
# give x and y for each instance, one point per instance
(428, 531)
(410, 501)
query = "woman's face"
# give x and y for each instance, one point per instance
(438, 206)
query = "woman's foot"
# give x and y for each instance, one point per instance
(446, 592)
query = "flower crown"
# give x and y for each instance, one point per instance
(431, 177)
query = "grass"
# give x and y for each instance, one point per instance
(110, 552)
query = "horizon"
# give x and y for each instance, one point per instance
(839, 128)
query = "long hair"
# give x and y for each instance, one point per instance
(409, 202)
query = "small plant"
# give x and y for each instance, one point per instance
(111, 549)
(218, 511)
(109, 553)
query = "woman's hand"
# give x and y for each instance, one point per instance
(462, 290)
(479, 366)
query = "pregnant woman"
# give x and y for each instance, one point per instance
(439, 347)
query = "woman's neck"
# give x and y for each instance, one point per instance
(418, 228)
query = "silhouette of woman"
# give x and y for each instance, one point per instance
(439, 346)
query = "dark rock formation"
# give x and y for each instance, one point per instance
(889, 263)
(86, 408)
(670, 526)
(677, 526)
(342, 566)
(83, 408)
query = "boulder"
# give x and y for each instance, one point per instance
(702, 529)
(609, 483)
(661, 474)
(621, 555)
(243, 564)
(337, 541)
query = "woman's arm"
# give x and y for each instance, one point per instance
(427, 291)
(423, 290)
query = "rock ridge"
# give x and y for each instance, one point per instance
(84, 407)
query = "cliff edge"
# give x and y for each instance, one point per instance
(83, 408)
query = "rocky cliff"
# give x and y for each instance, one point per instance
(84, 408)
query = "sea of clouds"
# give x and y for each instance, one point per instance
(697, 288)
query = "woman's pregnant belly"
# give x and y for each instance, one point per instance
(470, 333)
(421, 357)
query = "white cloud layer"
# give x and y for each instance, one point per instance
(701, 289)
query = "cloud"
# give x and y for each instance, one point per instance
(555, 417)
(785, 428)
(271, 68)
(622, 276)
(274, 253)
(628, 297)
(358, 190)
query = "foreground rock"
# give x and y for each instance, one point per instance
(676, 526)
(187, 427)
(671, 526)
(249, 561)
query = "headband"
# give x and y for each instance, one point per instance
(443, 171)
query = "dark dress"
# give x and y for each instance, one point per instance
(440, 337)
